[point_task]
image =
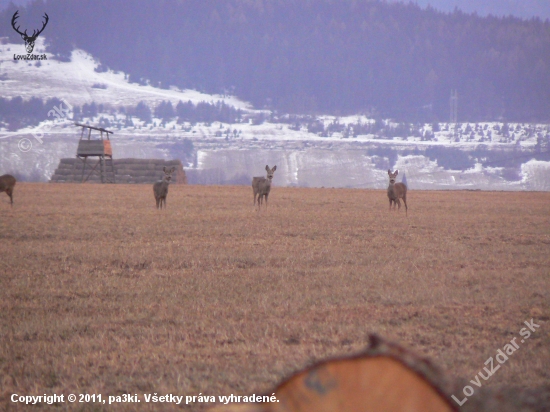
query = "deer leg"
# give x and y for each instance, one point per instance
(10, 194)
(398, 203)
(405, 202)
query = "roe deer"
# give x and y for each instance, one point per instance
(160, 188)
(262, 185)
(7, 183)
(397, 191)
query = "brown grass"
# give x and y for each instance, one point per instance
(102, 293)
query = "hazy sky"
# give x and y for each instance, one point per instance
(520, 8)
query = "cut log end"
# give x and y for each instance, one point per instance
(386, 377)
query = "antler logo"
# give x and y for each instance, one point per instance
(29, 40)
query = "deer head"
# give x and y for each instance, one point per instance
(270, 171)
(392, 176)
(29, 40)
(168, 173)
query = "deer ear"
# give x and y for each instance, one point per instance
(389, 171)
(396, 172)
(274, 168)
(164, 169)
(267, 168)
(173, 169)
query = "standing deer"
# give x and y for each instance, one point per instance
(262, 185)
(7, 183)
(397, 191)
(160, 188)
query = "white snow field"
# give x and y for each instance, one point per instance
(242, 149)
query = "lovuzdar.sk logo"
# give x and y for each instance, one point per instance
(29, 40)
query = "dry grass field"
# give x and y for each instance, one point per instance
(102, 293)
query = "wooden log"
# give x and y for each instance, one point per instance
(141, 173)
(134, 167)
(384, 378)
(134, 161)
(144, 179)
(125, 170)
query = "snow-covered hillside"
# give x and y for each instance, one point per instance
(79, 83)
(331, 151)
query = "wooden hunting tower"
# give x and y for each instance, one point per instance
(95, 147)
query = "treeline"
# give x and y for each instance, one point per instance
(203, 112)
(16, 113)
(379, 127)
(340, 57)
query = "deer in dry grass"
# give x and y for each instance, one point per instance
(160, 188)
(397, 191)
(7, 183)
(262, 186)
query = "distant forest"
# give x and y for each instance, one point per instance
(387, 60)
(16, 113)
